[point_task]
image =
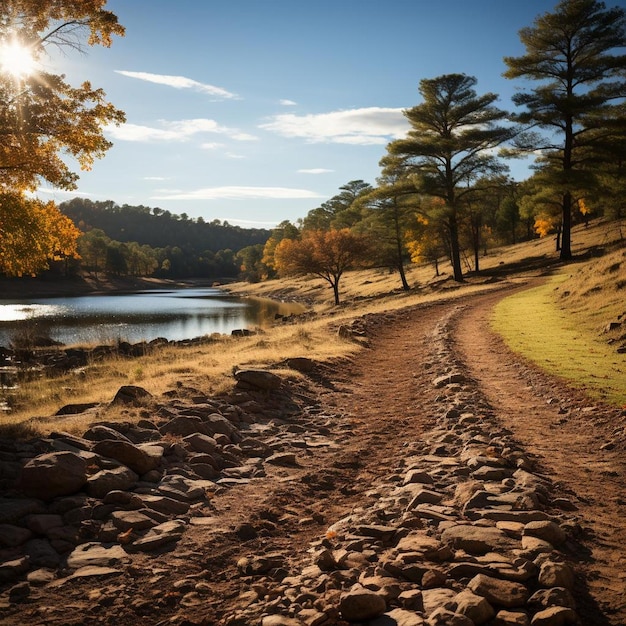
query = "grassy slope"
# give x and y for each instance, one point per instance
(585, 310)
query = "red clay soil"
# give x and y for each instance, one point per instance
(369, 407)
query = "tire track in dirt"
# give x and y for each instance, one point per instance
(567, 430)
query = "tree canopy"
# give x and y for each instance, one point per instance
(46, 123)
(450, 146)
(578, 99)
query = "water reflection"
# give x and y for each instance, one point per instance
(142, 316)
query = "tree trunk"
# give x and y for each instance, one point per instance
(455, 250)
(405, 284)
(566, 233)
(335, 285)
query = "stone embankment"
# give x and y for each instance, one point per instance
(463, 531)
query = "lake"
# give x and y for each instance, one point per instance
(141, 316)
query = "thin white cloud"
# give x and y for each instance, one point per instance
(155, 178)
(249, 223)
(287, 103)
(366, 126)
(181, 82)
(315, 170)
(211, 145)
(177, 130)
(235, 193)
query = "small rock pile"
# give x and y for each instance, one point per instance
(466, 532)
(80, 506)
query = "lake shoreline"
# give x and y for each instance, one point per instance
(24, 288)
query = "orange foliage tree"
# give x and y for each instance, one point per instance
(44, 120)
(32, 232)
(324, 253)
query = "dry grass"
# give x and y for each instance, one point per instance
(209, 367)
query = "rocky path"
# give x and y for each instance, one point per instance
(433, 479)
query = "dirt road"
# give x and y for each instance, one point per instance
(359, 421)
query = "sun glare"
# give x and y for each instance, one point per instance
(16, 59)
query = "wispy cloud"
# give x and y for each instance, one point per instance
(181, 82)
(236, 193)
(315, 170)
(287, 103)
(366, 126)
(155, 178)
(176, 130)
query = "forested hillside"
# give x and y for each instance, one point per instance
(140, 241)
(158, 228)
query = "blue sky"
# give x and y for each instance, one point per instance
(257, 111)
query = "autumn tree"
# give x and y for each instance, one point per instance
(450, 145)
(285, 230)
(324, 253)
(577, 103)
(44, 121)
(32, 232)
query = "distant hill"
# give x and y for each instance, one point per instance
(160, 229)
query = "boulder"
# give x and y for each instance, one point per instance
(117, 478)
(53, 474)
(131, 394)
(361, 604)
(259, 379)
(137, 459)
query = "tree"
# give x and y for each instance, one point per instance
(341, 211)
(450, 146)
(251, 263)
(93, 249)
(32, 233)
(285, 230)
(579, 97)
(324, 253)
(389, 209)
(43, 119)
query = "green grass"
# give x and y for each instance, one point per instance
(533, 324)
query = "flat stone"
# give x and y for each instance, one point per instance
(163, 504)
(556, 596)
(476, 539)
(119, 478)
(131, 520)
(12, 510)
(361, 604)
(499, 592)
(418, 476)
(137, 459)
(447, 617)
(12, 536)
(425, 496)
(555, 616)
(546, 530)
(41, 523)
(429, 547)
(398, 617)
(200, 442)
(553, 574)
(96, 554)
(511, 618)
(91, 571)
(473, 606)
(160, 536)
(283, 458)
(441, 597)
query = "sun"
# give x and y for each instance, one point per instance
(16, 59)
